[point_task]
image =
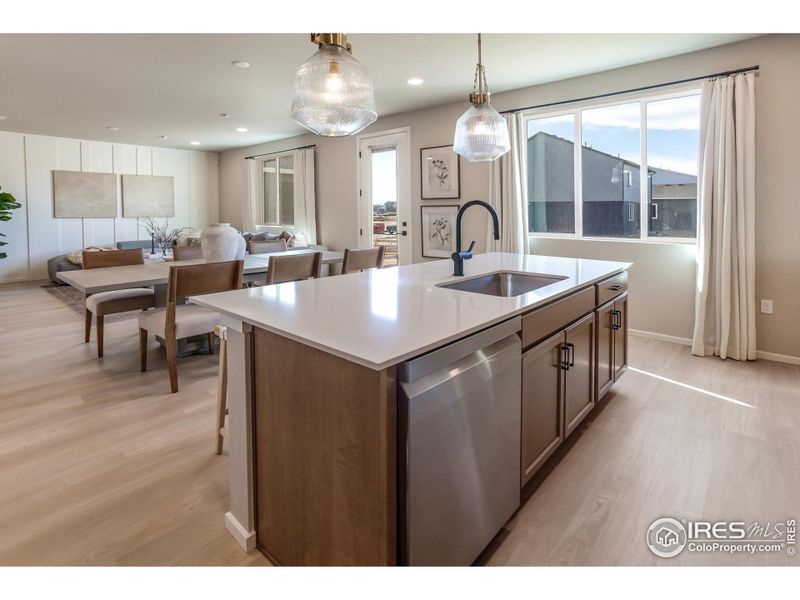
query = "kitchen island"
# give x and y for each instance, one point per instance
(316, 425)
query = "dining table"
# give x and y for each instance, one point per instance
(155, 273)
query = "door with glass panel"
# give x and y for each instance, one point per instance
(278, 186)
(384, 196)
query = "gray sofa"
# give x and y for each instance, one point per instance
(57, 264)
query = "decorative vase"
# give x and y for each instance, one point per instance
(221, 242)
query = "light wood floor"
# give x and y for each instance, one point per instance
(654, 448)
(101, 465)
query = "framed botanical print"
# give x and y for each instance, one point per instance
(440, 173)
(438, 231)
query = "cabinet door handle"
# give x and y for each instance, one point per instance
(616, 320)
(615, 287)
(571, 354)
(565, 357)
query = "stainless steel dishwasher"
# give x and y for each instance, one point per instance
(459, 445)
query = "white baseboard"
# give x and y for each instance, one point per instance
(246, 539)
(783, 358)
(661, 337)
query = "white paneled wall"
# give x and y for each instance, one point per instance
(34, 235)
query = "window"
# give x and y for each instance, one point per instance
(279, 190)
(672, 138)
(551, 174)
(610, 171)
(602, 190)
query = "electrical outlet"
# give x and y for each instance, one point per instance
(766, 307)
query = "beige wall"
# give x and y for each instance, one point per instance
(662, 280)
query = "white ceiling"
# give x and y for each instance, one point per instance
(176, 85)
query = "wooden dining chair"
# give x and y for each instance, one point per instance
(185, 252)
(115, 301)
(176, 321)
(358, 259)
(293, 267)
(263, 247)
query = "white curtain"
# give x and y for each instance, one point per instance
(725, 293)
(305, 200)
(252, 207)
(508, 194)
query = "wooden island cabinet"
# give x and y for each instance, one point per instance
(318, 415)
(573, 352)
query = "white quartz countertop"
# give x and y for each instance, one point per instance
(381, 317)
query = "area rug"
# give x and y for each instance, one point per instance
(75, 301)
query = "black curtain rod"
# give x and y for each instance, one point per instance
(639, 89)
(280, 151)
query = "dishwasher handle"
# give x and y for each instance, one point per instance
(437, 359)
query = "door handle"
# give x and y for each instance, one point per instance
(571, 354)
(616, 320)
(565, 357)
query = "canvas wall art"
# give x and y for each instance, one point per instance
(84, 195)
(440, 173)
(438, 231)
(148, 196)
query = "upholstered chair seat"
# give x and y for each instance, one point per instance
(190, 320)
(117, 301)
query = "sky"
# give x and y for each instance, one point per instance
(384, 176)
(672, 131)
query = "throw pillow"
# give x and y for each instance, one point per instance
(76, 258)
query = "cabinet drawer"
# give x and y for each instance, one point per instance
(611, 288)
(543, 321)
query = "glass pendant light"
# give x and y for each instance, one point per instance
(333, 94)
(481, 132)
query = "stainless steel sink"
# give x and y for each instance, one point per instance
(503, 283)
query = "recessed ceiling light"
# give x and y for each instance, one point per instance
(241, 64)
(415, 81)
(194, 143)
(163, 137)
(3, 117)
(241, 129)
(112, 128)
(225, 115)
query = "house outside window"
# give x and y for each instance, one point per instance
(585, 176)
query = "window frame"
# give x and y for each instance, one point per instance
(277, 158)
(575, 109)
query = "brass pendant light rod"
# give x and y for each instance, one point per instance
(482, 95)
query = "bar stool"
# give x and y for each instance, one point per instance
(222, 385)
(281, 269)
